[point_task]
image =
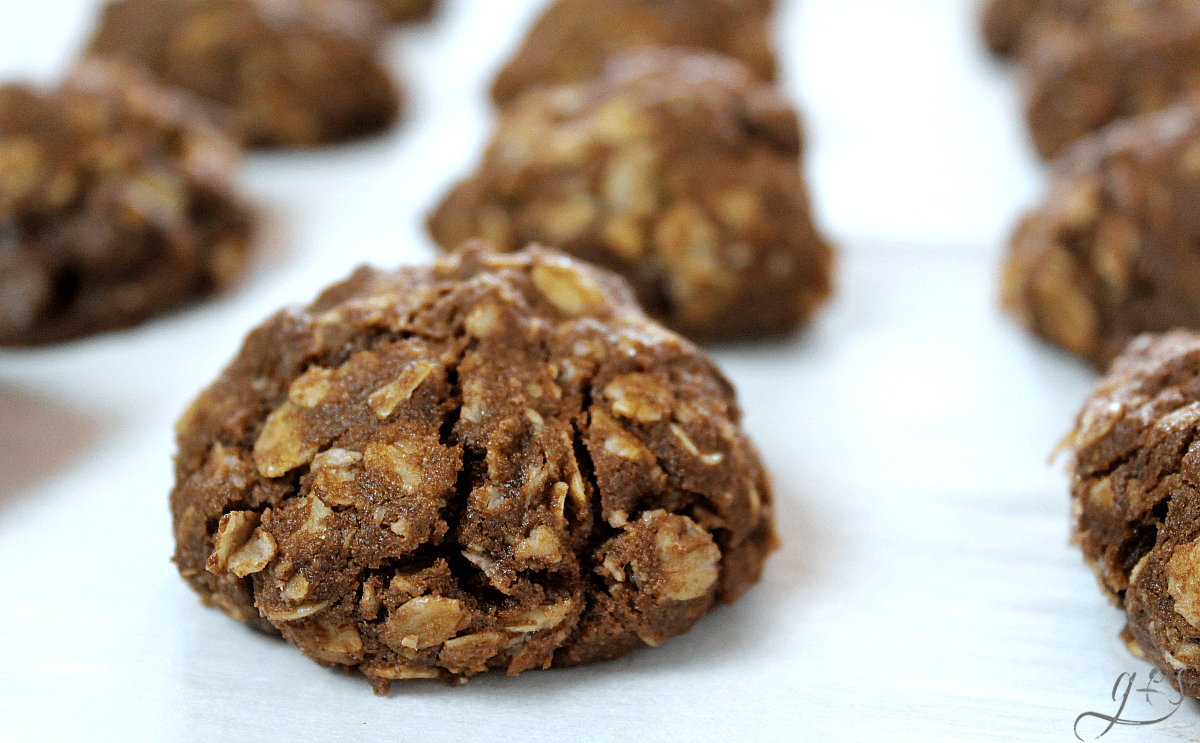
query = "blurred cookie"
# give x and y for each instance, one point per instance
(572, 40)
(1007, 23)
(1111, 251)
(1135, 491)
(1125, 58)
(407, 11)
(288, 73)
(679, 169)
(494, 462)
(115, 203)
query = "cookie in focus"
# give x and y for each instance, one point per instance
(1135, 492)
(493, 462)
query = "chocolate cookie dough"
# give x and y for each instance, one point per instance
(115, 204)
(1112, 250)
(1129, 57)
(495, 462)
(1135, 491)
(289, 73)
(573, 39)
(680, 170)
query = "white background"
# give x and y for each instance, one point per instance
(925, 590)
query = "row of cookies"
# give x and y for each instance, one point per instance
(117, 195)
(497, 461)
(1109, 253)
(1101, 268)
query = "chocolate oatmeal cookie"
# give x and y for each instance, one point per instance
(678, 169)
(495, 462)
(288, 73)
(1129, 57)
(1112, 251)
(115, 203)
(1135, 491)
(573, 39)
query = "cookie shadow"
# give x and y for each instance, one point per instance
(40, 438)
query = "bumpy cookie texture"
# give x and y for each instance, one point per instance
(1135, 490)
(288, 73)
(115, 203)
(678, 169)
(573, 39)
(1124, 58)
(496, 462)
(1112, 251)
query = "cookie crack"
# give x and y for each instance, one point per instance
(1146, 526)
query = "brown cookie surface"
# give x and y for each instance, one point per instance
(1111, 252)
(495, 462)
(1135, 490)
(115, 204)
(288, 73)
(1122, 58)
(406, 11)
(1006, 24)
(680, 170)
(573, 39)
